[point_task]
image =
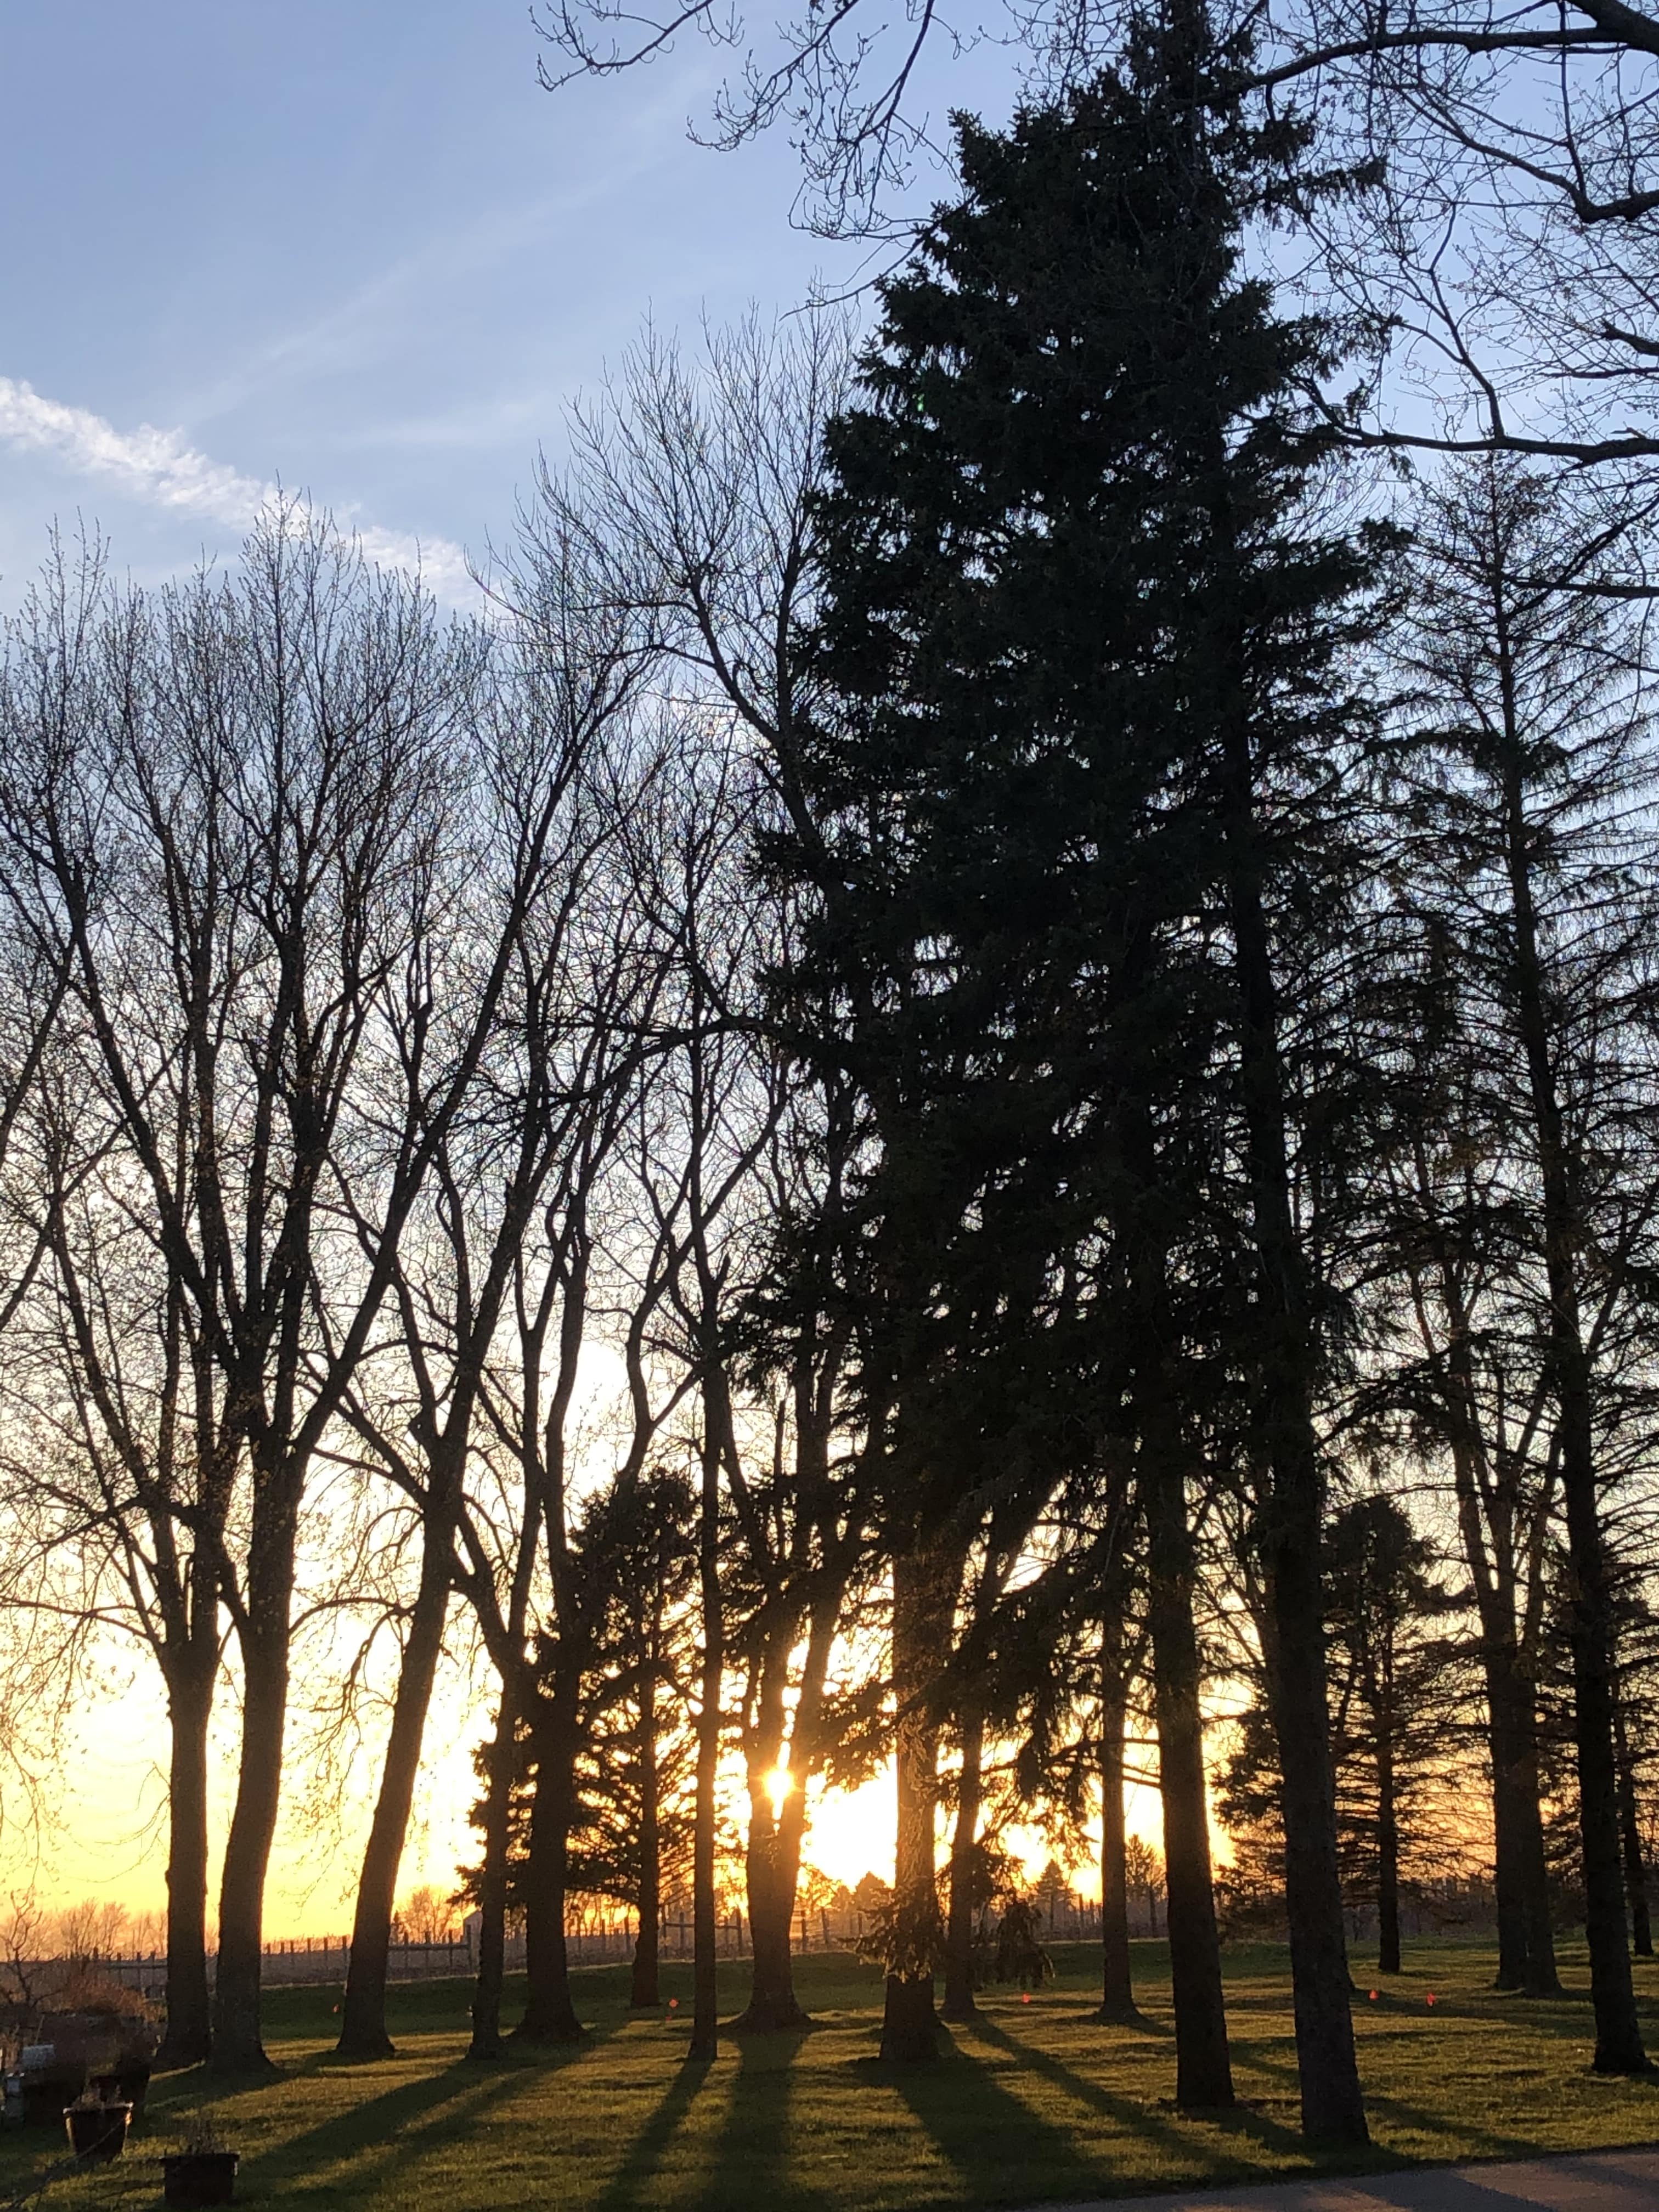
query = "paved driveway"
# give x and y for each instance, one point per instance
(1591, 2181)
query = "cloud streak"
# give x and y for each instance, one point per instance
(160, 469)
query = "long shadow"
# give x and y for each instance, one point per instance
(751, 2159)
(390, 2131)
(1473, 2141)
(398, 2112)
(393, 2124)
(996, 2143)
(1129, 2112)
(1087, 2010)
(645, 2154)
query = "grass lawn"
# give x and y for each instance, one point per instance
(1033, 2103)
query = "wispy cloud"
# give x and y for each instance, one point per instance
(160, 469)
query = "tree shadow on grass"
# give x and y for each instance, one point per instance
(1005, 2151)
(401, 2123)
(384, 2134)
(1129, 2112)
(751, 2158)
(1085, 2011)
(1472, 2141)
(645, 2152)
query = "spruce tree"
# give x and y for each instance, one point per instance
(1083, 646)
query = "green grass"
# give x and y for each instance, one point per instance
(1033, 2103)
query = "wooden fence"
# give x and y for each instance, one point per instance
(1061, 1919)
(323, 1959)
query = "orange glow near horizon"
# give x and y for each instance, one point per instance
(103, 1834)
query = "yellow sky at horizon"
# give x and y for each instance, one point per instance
(104, 1836)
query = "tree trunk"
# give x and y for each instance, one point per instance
(549, 2011)
(1203, 2069)
(1541, 1978)
(1331, 2109)
(705, 1969)
(774, 1868)
(909, 2031)
(237, 2048)
(1619, 2048)
(492, 1888)
(1292, 1526)
(363, 2021)
(1508, 1899)
(959, 1923)
(644, 1989)
(770, 1872)
(1526, 1937)
(1117, 2000)
(772, 2000)
(189, 2035)
(1630, 1826)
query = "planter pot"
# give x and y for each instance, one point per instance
(190, 2178)
(97, 2133)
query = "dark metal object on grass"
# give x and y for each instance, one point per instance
(193, 2178)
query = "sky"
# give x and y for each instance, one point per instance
(349, 245)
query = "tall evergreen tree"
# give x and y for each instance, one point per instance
(1084, 643)
(1537, 872)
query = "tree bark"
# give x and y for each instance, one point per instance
(486, 2041)
(1203, 2068)
(1292, 1519)
(705, 1969)
(549, 2012)
(1619, 2047)
(1526, 1938)
(1508, 1901)
(1526, 1954)
(189, 2035)
(775, 1836)
(959, 1922)
(909, 2030)
(772, 2000)
(237, 2048)
(1117, 1998)
(644, 1988)
(772, 1858)
(363, 2021)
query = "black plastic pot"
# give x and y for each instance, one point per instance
(192, 2178)
(97, 2133)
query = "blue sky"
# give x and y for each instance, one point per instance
(347, 244)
